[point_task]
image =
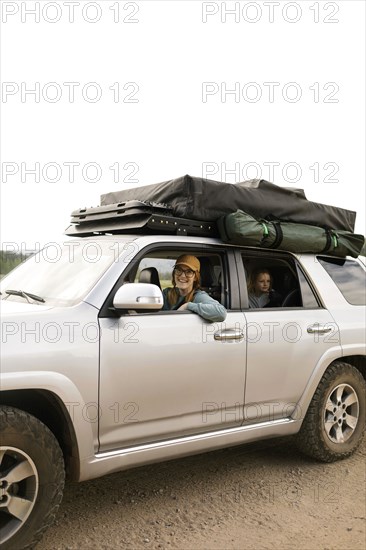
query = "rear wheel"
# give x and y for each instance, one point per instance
(31, 479)
(335, 421)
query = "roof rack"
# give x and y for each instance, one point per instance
(137, 217)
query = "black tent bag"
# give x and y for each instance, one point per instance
(242, 229)
(208, 200)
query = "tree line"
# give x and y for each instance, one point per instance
(10, 260)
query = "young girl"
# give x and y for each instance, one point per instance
(186, 294)
(260, 292)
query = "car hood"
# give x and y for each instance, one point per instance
(8, 307)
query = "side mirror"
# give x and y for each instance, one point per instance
(138, 296)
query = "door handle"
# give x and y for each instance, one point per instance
(229, 334)
(318, 329)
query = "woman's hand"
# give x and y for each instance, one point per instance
(183, 307)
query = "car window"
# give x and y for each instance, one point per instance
(276, 282)
(154, 265)
(157, 269)
(61, 274)
(349, 277)
(308, 297)
(163, 267)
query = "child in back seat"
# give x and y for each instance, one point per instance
(260, 291)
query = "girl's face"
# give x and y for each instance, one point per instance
(262, 283)
(184, 279)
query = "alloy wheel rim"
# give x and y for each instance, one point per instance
(19, 484)
(341, 413)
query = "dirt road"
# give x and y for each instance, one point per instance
(253, 497)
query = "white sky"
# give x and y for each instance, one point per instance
(163, 60)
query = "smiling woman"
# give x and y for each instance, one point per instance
(185, 294)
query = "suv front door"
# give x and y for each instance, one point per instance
(165, 374)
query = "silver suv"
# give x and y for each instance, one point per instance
(95, 378)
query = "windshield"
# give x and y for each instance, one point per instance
(61, 274)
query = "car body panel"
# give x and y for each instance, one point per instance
(163, 375)
(282, 355)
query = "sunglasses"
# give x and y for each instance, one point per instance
(189, 273)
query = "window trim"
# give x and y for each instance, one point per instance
(272, 255)
(230, 279)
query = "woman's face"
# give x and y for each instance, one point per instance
(184, 279)
(262, 283)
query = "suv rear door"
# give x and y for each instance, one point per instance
(284, 343)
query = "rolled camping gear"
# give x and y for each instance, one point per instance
(243, 229)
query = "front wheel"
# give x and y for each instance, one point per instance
(335, 421)
(32, 478)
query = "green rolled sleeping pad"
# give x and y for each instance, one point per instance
(242, 229)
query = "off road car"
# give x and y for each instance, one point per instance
(96, 378)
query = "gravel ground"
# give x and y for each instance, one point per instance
(255, 497)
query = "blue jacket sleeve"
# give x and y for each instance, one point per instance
(207, 308)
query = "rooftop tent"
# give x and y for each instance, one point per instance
(207, 200)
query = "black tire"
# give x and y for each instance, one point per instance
(335, 421)
(32, 479)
